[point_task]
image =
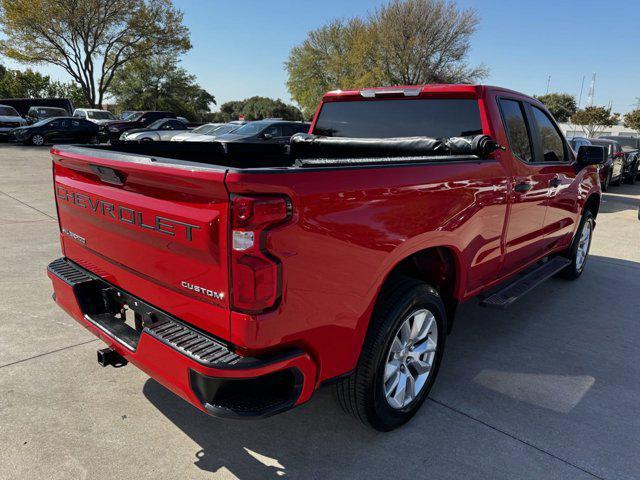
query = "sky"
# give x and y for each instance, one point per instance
(239, 47)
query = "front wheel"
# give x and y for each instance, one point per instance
(400, 356)
(578, 252)
(37, 140)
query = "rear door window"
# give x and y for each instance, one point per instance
(436, 118)
(516, 127)
(550, 139)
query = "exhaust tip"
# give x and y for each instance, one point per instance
(109, 357)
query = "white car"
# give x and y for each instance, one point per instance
(94, 115)
(161, 130)
(205, 133)
(10, 119)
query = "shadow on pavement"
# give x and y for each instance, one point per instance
(514, 385)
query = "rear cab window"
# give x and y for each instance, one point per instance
(389, 118)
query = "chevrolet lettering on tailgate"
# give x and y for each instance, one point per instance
(160, 224)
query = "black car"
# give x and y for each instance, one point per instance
(265, 131)
(35, 114)
(631, 149)
(612, 172)
(57, 130)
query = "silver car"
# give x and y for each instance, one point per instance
(161, 130)
(206, 133)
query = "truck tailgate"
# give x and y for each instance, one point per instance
(157, 231)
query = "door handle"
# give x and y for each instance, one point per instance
(555, 182)
(523, 187)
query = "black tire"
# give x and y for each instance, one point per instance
(362, 393)
(146, 139)
(573, 271)
(633, 173)
(618, 181)
(607, 182)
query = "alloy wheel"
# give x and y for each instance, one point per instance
(410, 358)
(37, 140)
(583, 245)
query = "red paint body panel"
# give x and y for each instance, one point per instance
(349, 228)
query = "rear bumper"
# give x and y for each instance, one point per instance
(202, 369)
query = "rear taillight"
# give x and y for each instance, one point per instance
(255, 273)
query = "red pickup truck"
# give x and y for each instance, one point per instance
(244, 280)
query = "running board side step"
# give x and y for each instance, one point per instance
(515, 290)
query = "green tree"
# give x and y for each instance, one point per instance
(406, 42)
(561, 105)
(632, 120)
(594, 119)
(90, 39)
(158, 83)
(257, 108)
(31, 84)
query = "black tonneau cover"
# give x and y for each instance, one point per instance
(313, 151)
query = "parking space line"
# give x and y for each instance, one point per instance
(541, 450)
(27, 205)
(48, 353)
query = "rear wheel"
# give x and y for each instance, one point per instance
(400, 357)
(37, 140)
(578, 252)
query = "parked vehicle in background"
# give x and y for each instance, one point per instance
(113, 130)
(613, 170)
(56, 130)
(160, 130)
(35, 114)
(577, 142)
(208, 132)
(628, 144)
(127, 113)
(22, 105)
(9, 119)
(631, 148)
(632, 167)
(265, 131)
(94, 115)
(254, 282)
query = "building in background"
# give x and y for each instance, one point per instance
(570, 130)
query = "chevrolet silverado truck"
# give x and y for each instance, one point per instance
(244, 278)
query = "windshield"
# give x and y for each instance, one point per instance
(43, 122)
(101, 115)
(134, 117)
(50, 112)
(157, 124)
(206, 128)
(8, 111)
(435, 118)
(223, 129)
(252, 128)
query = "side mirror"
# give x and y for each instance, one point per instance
(267, 136)
(591, 155)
